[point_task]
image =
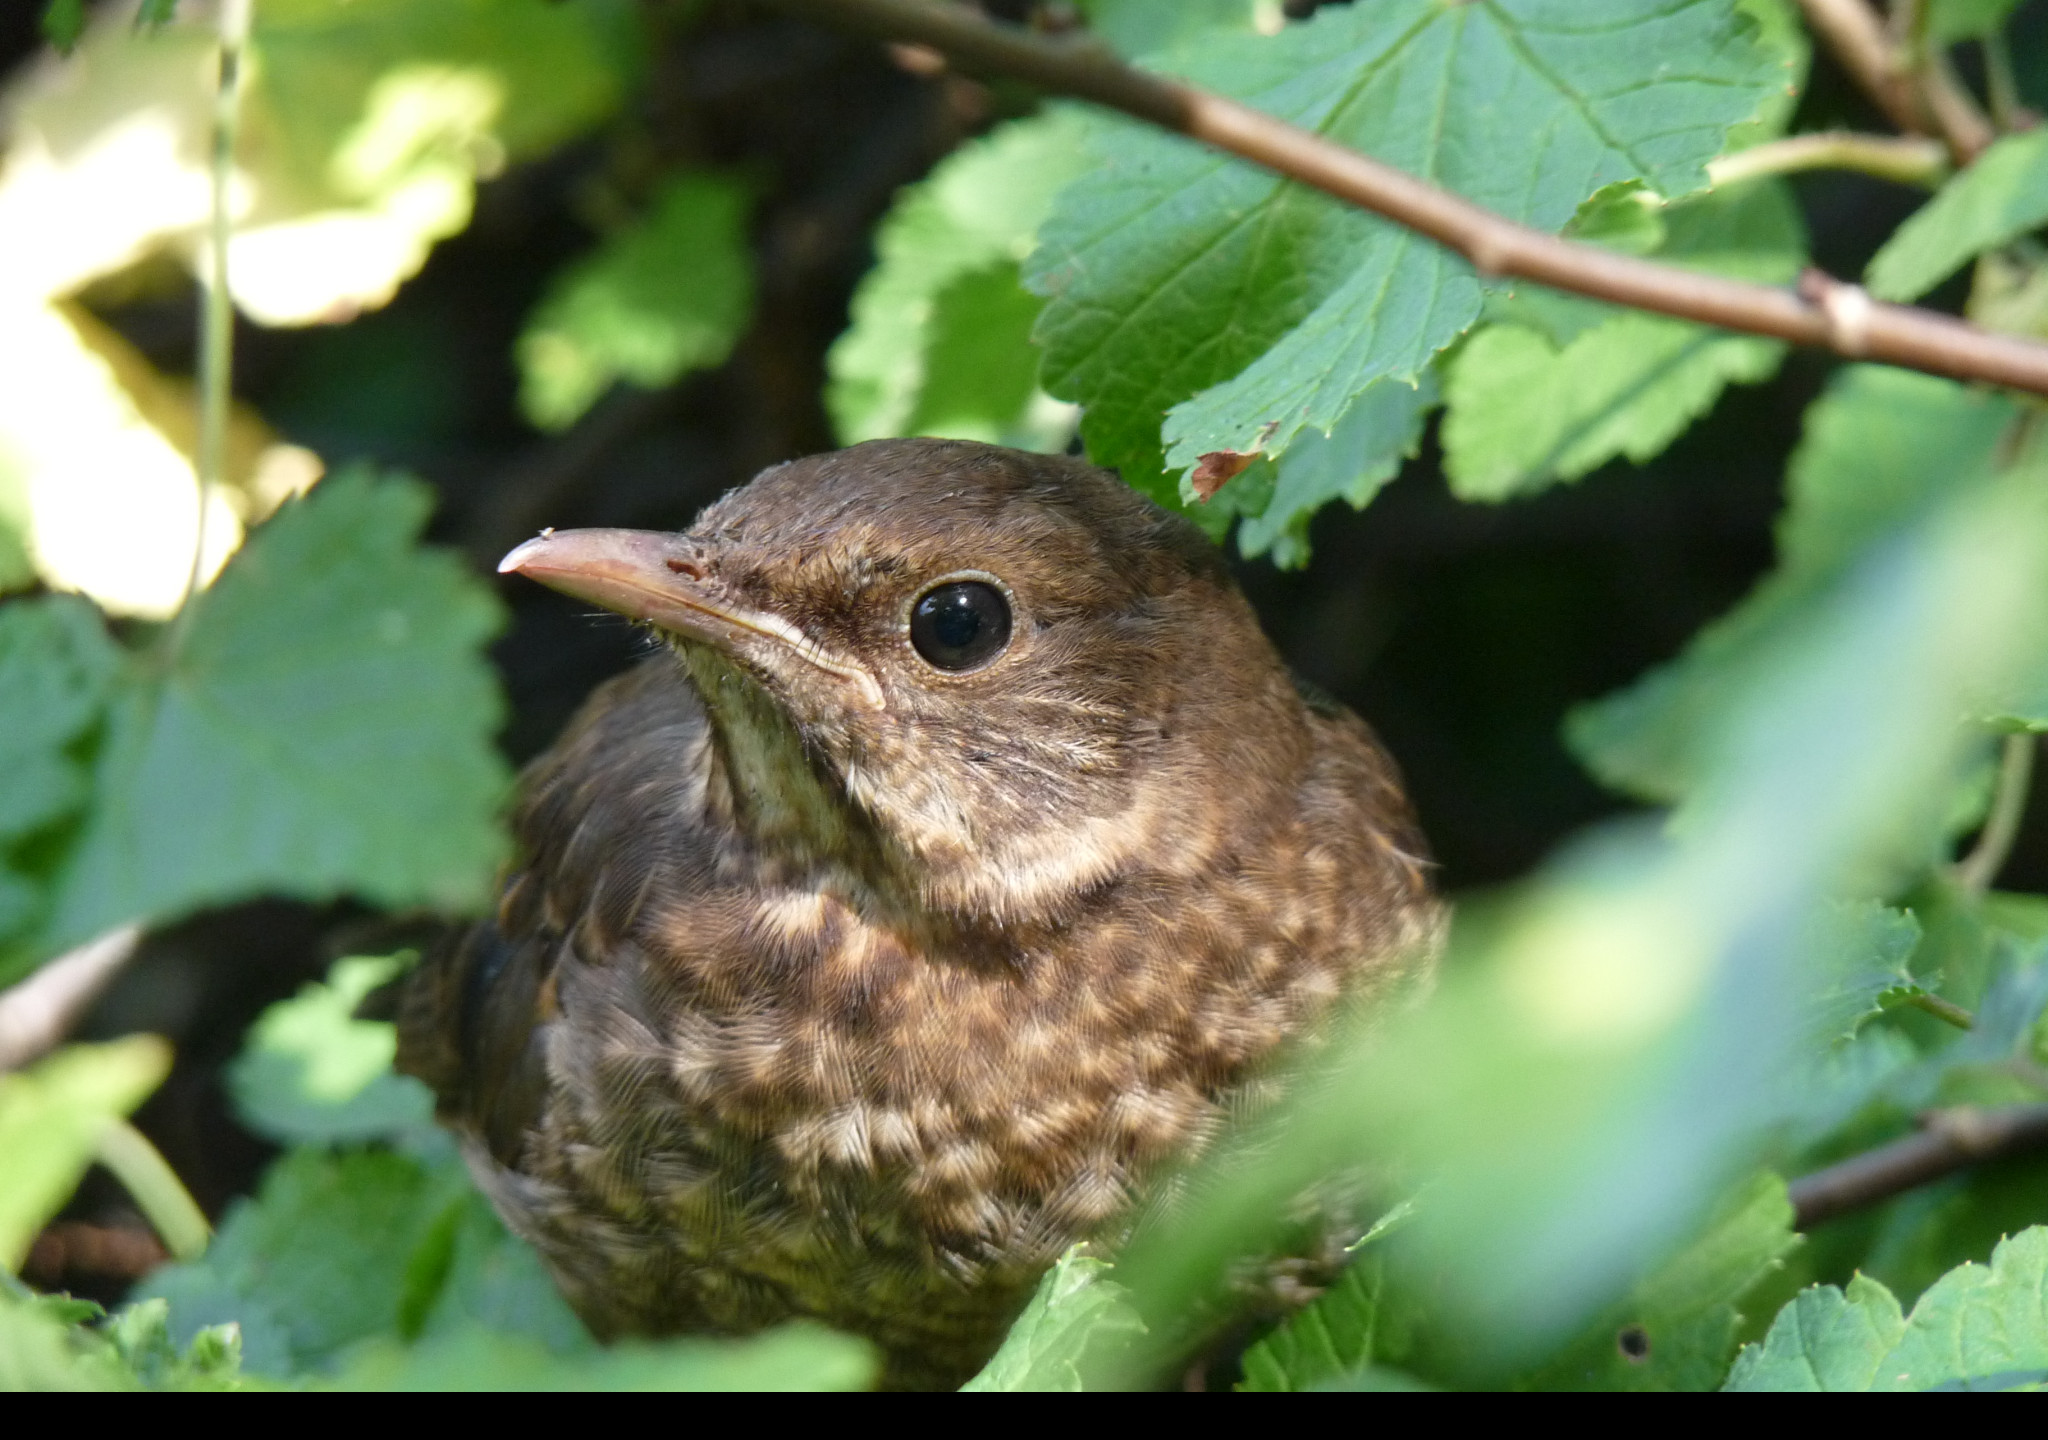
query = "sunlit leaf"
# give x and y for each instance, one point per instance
(940, 342)
(1524, 411)
(323, 729)
(668, 294)
(51, 1117)
(311, 1071)
(1254, 310)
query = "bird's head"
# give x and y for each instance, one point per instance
(1012, 673)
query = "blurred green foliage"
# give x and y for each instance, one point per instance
(1580, 1134)
(665, 295)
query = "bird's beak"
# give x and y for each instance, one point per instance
(664, 580)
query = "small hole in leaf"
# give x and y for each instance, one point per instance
(1634, 1342)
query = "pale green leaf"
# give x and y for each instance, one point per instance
(324, 730)
(666, 295)
(1524, 411)
(2000, 197)
(51, 1117)
(1824, 1339)
(1879, 447)
(1078, 1315)
(311, 1071)
(1174, 273)
(1978, 1328)
(940, 339)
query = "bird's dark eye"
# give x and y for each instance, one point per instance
(960, 625)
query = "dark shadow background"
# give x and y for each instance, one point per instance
(1463, 633)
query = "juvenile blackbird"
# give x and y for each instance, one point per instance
(957, 867)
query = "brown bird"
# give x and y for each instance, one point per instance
(962, 866)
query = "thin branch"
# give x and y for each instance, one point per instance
(1822, 312)
(1957, 115)
(1908, 159)
(217, 310)
(1975, 872)
(1949, 1140)
(37, 1013)
(2007, 110)
(1856, 37)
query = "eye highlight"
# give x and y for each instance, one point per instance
(960, 625)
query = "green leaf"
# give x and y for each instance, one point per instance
(1860, 950)
(51, 1117)
(1824, 1340)
(1880, 446)
(1382, 428)
(794, 1357)
(1077, 1318)
(1329, 1340)
(1677, 1331)
(488, 1278)
(940, 342)
(63, 22)
(42, 1348)
(311, 1071)
(666, 295)
(56, 668)
(2000, 197)
(1951, 20)
(325, 729)
(1174, 273)
(318, 1259)
(1978, 1328)
(140, 1334)
(1525, 411)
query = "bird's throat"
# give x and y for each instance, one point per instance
(774, 788)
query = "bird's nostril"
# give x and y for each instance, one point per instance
(687, 567)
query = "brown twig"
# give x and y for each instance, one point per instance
(1857, 39)
(1916, 88)
(1949, 1140)
(1823, 312)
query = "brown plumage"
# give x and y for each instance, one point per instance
(860, 957)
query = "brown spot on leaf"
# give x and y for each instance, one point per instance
(1634, 1343)
(1217, 469)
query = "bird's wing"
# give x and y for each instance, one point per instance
(610, 810)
